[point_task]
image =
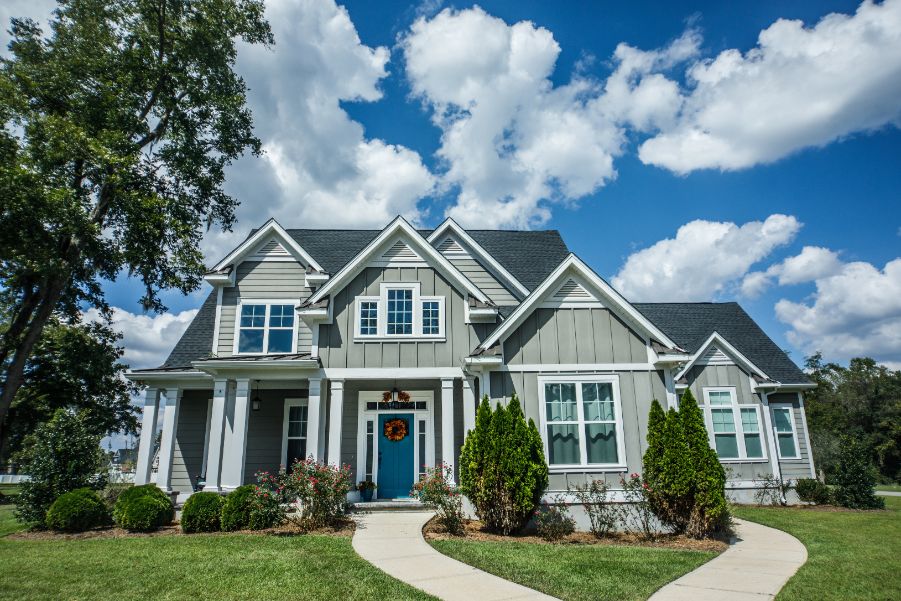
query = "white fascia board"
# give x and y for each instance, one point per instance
(613, 300)
(450, 224)
(216, 279)
(399, 225)
(496, 360)
(271, 227)
(725, 346)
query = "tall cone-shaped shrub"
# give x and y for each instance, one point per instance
(652, 462)
(673, 486)
(710, 511)
(503, 472)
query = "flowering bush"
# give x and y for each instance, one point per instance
(320, 490)
(434, 489)
(266, 509)
(554, 521)
(602, 515)
(637, 514)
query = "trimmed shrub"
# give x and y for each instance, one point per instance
(61, 456)
(434, 490)
(670, 487)
(856, 477)
(202, 513)
(143, 509)
(77, 511)
(237, 507)
(503, 471)
(554, 522)
(710, 509)
(111, 493)
(813, 491)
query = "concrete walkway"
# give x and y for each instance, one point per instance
(392, 541)
(888, 493)
(756, 567)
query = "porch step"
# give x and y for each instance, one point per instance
(390, 505)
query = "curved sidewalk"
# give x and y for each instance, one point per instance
(392, 541)
(755, 567)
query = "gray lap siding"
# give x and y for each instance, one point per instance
(187, 456)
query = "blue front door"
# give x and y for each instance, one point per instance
(395, 456)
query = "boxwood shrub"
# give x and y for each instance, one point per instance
(236, 511)
(812, 491)
(202, 513)
(143, 509)
(77, 511)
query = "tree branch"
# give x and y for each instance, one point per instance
(161, 54)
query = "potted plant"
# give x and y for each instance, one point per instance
(366, 487)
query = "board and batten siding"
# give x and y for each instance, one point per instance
(482, 278)
(794, 468)
(550, 336)
(264, 280)
(187, 455)
(337, 347)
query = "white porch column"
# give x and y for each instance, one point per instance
(167, 440)
(336, 411)
(314, 416)
(469, 405)
(447, 425)
(235, 447)
(148, 436)
(216, 434)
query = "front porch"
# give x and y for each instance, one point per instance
(218, 432)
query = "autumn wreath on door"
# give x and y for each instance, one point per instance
(396, 429)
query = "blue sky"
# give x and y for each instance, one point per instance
(832, 170)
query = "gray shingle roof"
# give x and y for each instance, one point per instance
(691, 324)
(197, 341)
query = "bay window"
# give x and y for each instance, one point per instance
(400, 311)
(582, 421)
(734, 429)
(786, 437)
(265, 328)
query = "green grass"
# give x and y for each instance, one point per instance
(8, 523)
(186, 567)
(889, 487)
(578, 571)
(9, 489)
(851, 555)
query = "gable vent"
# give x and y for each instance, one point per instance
(715, 356)
(572, 291)
(400, 252)
(451, 247)
(271, 250)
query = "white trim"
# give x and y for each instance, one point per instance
(294, 402)
(216, 435)
(770, 436)
(723, 345)
(206, 436)
(735, 407)
(578, 379)
(813, 473)
(149, 418)
(791, 414)
(270, 228)
(335, 420)
(218, 321)
(613, 299)
(450, 224)
(574, 367)
(168, 437)
(391, 373)
(398, 227)
(448, 439)
(382, 315)
(268, 303)
(672, 399)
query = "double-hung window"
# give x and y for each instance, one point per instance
(735, 431)
(582, 422)
(265, 328)
(786, 437)
(400, 311)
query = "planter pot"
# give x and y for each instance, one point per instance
(366, 493)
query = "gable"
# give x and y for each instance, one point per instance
(572, 292)
(715, 356)
(270, 242)
(270, 250)
(398, 252)
(450, 247)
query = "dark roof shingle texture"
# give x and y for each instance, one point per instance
(197, 341)
(691, 324)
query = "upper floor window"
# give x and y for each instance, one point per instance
(400, 311)
(734, 428)
(786, 437)
(265, 328)
(582, 422)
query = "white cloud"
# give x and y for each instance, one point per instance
(703, 260)
(799, 87)
(854, 312)
(812, 263)
(147, 340)
(511, 142)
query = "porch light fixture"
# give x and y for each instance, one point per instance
(256, 401)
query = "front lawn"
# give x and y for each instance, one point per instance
(578, 571)
(851, 554)
(183, 567)
(889, 487)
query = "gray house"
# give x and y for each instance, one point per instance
(371, 348)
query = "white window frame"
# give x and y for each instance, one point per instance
(293, 402)
(578, 380)
(382, 328)
(791, 414)
(739, 426)
(268, 303)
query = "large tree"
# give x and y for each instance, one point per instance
(117, 128)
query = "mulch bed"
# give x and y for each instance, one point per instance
(344, 529)
(474, 532)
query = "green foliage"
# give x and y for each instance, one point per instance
(710, 509)
(502, 467)
(862, 400)
(602, 514)
(811, 490)
(77, 511)
(143, 509)
(237, 508)
(855, 477)
(201, 512)
(61, 456)
(671, 486)
(554, 522)
(434, 490)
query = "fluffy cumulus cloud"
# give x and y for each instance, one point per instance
(704, 260)
(799, 87)
(512, 142)
(147, 340)
(812, 263)
(854, 312)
